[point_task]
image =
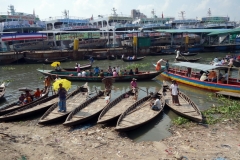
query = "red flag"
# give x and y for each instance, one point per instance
(162, 14)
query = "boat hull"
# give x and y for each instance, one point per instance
(202, 84)
(74, 77)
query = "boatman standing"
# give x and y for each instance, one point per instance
(158, 67)
(178, 53)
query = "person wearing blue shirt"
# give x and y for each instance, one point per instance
(91, 60)
(96, 71)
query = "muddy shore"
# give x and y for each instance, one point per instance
(26, 140)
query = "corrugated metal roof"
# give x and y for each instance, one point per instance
(236, 30)
(191, 30)
(199, 66)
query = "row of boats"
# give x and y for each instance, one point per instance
(129, 112)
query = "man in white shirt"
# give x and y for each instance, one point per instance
(175, 91)
(79, 74)
(156, 105)
(84, 73)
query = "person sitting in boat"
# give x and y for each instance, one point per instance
(79, 74)
(224, 78)
(136, 71)
(101, 74)
(125, 72)
(155, 105)
(109, 70)
(84, 74)
(37, 94)
(133, 57)
(131, 72)
(27, 100)
(203, 77)
(115, 74)
(58, 68)
(90, 73)
(122, 56)
(128, 58)
(96, 71)
(21, 99)
(212, 75)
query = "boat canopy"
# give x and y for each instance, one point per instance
(198, 66)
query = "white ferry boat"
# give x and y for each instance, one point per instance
(18, 28)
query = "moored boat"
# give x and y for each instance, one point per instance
(45, 60)
(188, 59)
(82, 67)
(125, 59)
(2, 89)
(138, 114)
(32, 109)
(72, 101)
(188, 108)
(179, 74)
(15, 106)
(87, 110)
(72, 76)
(115, 108)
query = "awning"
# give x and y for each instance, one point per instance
(198, 66)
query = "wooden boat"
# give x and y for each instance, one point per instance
(236, 63)
(178, 73)
(115, 108)
(32, 109)
(87, 110)
(72, 76)
(33, 45)
(45, 60)
(138, 114)
(188, 54)
(82, 67)
(131, 60)
(2, 89)
(188, 108)
(15, 106)
(188, 59)
(73, 100)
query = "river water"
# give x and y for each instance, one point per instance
(26, 75)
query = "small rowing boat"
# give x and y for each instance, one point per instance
(87, 110)
(188, 108)
(72, 101)
(115, 108)
(15, 106)
(131, 60)
(2, 89)
(32, 109)
(138, 114)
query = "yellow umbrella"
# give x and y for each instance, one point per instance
(65, 83)
(54, 64)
